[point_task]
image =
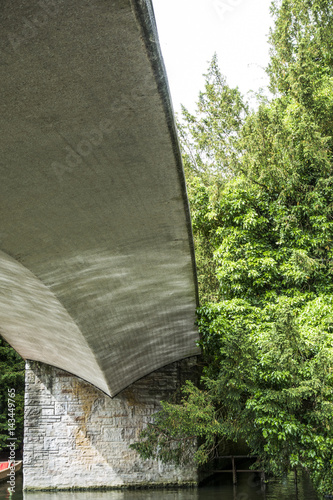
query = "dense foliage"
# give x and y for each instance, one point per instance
(260, 187)
(11, 377)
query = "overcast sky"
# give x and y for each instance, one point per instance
(190, 31)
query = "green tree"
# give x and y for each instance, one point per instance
(260, 189)
(11, 377)
(270, 376)
(210, 150)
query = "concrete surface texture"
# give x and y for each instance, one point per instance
(97, 273)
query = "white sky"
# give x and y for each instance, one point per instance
(190, 31)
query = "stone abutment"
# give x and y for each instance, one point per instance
(78, 437)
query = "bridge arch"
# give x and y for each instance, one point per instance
(95, 228)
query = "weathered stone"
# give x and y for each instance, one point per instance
(82, 440)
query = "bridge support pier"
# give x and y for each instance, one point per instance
(77, 437)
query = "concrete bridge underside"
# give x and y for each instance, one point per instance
(97, 273)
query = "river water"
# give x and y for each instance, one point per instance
(248, 488)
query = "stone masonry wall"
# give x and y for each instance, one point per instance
(77, 437)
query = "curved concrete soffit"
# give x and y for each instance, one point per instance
(34, 321)
(146, 20)
(97, 264)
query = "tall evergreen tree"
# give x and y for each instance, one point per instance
(261, 195)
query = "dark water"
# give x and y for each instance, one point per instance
(248, 488)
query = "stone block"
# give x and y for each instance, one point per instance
(47, 410)
(60, 408)
(32, 411)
